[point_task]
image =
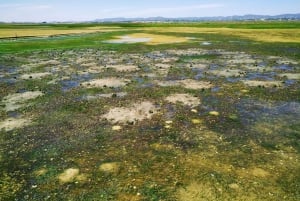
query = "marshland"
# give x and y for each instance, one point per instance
(150, 111)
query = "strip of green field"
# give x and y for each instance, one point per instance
(31, 37)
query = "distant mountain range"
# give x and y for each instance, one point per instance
(195, 19)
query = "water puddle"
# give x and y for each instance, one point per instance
(255, 111)
(261, 76)
(284, 67)
(74, 81)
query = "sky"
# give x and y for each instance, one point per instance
(84, 10)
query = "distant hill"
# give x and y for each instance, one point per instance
(288, 17)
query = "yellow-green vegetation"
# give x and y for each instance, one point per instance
(51, 31)
(262, 35)
(174, 111)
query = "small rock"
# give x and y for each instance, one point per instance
(196, 121)
(116, 128)
(169, 122)
(214, 113)
(168, 126)
(194, 111)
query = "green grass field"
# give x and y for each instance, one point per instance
(140, 111)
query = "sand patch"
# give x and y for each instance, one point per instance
(34, 76)
(131, 115)
(106, 82)
(163, 66)
(287, 61)
(256, 83)
(194, 84)
(92, 68)
(14, 123)
(88, 64)
(15, 101)
(228, 73)
(169, 59)
(110, 167)
(185, 99)
(149, 39)
(188, 84)
(124, 68)
(167, 83)
(49, 62)
(291, 76)
(162, 69)
(242, 60)
(69, 175)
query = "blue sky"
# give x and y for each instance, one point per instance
(79, 10)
